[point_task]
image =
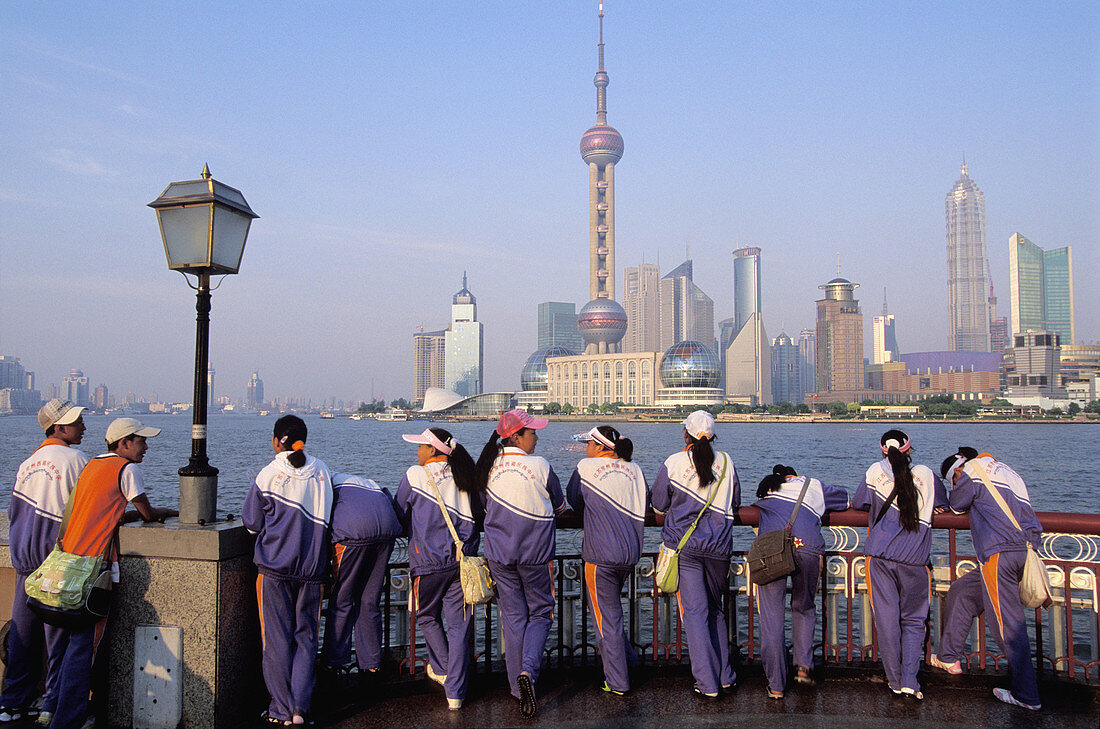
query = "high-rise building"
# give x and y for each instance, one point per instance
(254, 391)
(17, 393)
(786, 370)
(464, 346)
(209, 388)
(74, 387)
(101, 400)
(746, 285)
(686, 312)
(1042, 288)
(885, 340)
(839, 338)
(558, 325)
(1033, 365)
(642, 301)
(967, 267)
(429, 362)
(602, 321)
(746, 359)
(807, 360)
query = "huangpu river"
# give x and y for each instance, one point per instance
(1054, 459)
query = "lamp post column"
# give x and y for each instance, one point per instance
(198, 479)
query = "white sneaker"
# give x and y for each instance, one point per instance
(1006, 696)
(912, 693)
(437, 677)
(44, 718)
(454, 704)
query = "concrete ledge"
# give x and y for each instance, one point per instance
(212, 542)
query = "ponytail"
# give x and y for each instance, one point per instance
(463, 469)
(485, 461)
(897, 448)
(702, 455)
(965, 453)
(291, 432)
(774, 480)
(624, 447)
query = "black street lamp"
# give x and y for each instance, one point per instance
(204, 225)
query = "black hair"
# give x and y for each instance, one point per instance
(463, 468)
(624, 447)
(965, 451)
(702, 455)
(290, 429)
(907, 500)
(774, 480)
(50, 430)
(485, 460)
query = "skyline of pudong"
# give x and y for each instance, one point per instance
(368, 194)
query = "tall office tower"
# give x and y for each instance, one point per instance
(967, 268)
(807, 360)
(1035, 365)
(429, 362)
(746, 359)
(786, 370)
(101, 399)
(75, 388)
(602, 321)
(464, 340)
(686, 312)
(840, 338)
(12, 373)
(998, 325)
(209, 387)
(1042, 288)
(885, 342)
(254, 391)
(642, 301)
(558, 325)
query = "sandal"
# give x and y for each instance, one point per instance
(802, 676)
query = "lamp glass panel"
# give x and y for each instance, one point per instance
(229, 194)
(186, 233)
(230, 232)
(185, 189)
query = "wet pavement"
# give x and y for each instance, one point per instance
(664, 700)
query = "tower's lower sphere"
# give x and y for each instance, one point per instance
(602, 144)
(602, 320)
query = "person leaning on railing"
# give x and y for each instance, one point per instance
(993, 588)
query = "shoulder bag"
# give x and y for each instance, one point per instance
(771, 556)
(69, 590)
(473, 572)
(1034, 582)
(667, 571)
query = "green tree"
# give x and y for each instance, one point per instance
(552, 408)
(1000, 402)
(803, 408)
(1093, 407)
(1055, 412)
(593, 408)
(1074, 408)
(401, 404)
(837, 409)
(567, 409)
(608, 408)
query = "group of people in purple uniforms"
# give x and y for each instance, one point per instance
(309, 521)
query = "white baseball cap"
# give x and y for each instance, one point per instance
(58, 412)
(700, 424)
(124, 427)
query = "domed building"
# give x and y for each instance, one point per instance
(602, 324)
(532, 378)
(689, 373)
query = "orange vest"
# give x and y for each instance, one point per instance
(98, 505)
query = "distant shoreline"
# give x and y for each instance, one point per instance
(620, 418)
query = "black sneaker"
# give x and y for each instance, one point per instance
(527, 703)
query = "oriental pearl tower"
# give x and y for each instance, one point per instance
(602, 321)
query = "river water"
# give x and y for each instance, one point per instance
(1054, 459)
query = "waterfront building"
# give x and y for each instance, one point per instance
(642, 302)
(786, 370)
(900, 382)
(254, 391)
(746, 285)
(967, 267)
(74, 387)
(17, 393)
(1041, 288)
(464, 345)
(602, 321)
(807, 356)
(1079, 362)
(839, 342)
(689, 374)
(429, 361)
(101, 399)
(210, 399)
(583, 380)
(686, 312)
(532, 379)
(1033, 366)
(746, 349)
(448, 403)
(884, 345)
(558, 325)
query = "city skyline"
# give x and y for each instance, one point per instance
(365, 195)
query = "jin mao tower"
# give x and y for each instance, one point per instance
(967, 268)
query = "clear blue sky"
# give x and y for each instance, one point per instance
(388, 146)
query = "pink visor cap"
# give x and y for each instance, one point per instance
(430, 438)
(515, 420)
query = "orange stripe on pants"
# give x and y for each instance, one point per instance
(989, 577)
(260, 602)
(590, 580)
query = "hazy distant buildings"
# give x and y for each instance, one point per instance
(1033, 365)
(807, 360)
(429, 361)
(74, 387)
(464, 346)
(101, 398)
(558, 325)
(885, 344)
(839, 341)
(786, 370)
(967, 268)
(746, 358)
(686, 312)
(1042, 288)
(642, 302)
(17, 393)
(254, 391)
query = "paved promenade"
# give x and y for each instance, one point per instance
(852, 698)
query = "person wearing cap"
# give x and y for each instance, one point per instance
(521, 494)
(685, 483)
(609, 492)
(364, 527)
(992, 588)
(107, 484)
(445, 473)
(43, 484)
(901, 499)
(289, 509)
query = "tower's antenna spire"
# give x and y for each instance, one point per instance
(838, 264)
(601, 80)
(884, 309)
(463, 279)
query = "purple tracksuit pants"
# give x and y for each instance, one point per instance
(525, 594)
(992, 589)
(360, 575)
(440, 595)
(899, 604)
(24, 666)
(74, 678)
(605, 586)
(770, 599)
(290, 614)
(703, 582)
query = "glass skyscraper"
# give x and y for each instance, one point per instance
(967, 268)
(558, 326)
(463, 359)
(1042, 288)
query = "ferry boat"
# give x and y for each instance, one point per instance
(359, 416)
(393, 414)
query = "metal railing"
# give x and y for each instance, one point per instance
(1065, 637)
